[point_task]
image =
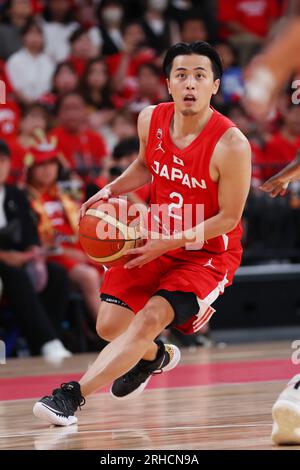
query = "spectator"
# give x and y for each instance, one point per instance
(58, 26)
(249, 128)
(17, 14)
(64, 81)
(123, 67)
(193, 28)
(150, 90)
(123, 126)
(36, 290)
(161, 31)
(232, 83)
(9, 119)
(30, 70)
(34, 118)
(245, 24)
(82, 50)
(85, 14)
(204, 9)
(108, 35)
(82, 149)
(58, 222)
(283, 146)
(95, 86)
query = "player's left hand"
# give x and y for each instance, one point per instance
(150, 251)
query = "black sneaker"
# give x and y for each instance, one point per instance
(59, 408)
(134, 381)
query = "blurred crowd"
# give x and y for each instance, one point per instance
(77, 73)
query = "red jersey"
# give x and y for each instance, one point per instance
(56, 213)
(81, 150)
(9, 119)
(254, 15)
(279, 151)
(181, 177)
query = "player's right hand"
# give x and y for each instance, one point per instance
(103, 194)
(275, 186)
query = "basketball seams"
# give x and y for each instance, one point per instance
(98, 227)
(123, 228)
(127, 246)
(109, 240)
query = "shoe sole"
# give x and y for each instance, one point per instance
(286, 428)
(171, 365)
(41, 411)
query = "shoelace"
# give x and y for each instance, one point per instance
(78, 400)
(138, 370)
(63, 396)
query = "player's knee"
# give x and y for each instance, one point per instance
(150, 320)
(106, 325)
(106, 330)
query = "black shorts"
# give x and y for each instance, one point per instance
(184, 304)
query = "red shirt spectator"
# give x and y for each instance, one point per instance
(258, 167)
(9, 119)
(278, 152)
(283, 145)
(253, 16)
(17, 161)
(130, 80)
(34, 118)
(81, 150)
(82, 50)
(123, 67)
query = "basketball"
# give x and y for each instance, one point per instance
(108, 229)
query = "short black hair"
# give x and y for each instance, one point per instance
(191, 16)
(150, 66)
(77, 34)
(196, 47)
(30, 24)
(66, 95)
(4, 149)
(126, 147)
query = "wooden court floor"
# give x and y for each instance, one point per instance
(215, 399)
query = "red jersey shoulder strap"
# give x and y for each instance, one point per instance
(158, 120)
(220, 125)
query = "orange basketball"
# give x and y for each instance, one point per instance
(108, 229)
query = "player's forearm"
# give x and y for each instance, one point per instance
(286, 47)
(291, 172)
(135, 176)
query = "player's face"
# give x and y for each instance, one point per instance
(192, 83)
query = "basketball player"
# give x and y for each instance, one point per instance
(266, 76)
(192, 155)
(269, 71)
(286, 410)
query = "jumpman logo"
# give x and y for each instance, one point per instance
(159, 147)
(209, 264)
